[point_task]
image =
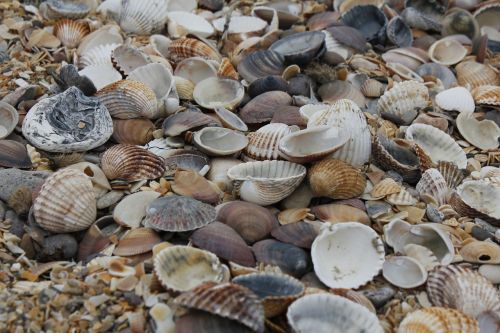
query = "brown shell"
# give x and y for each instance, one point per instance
(184, 48)
(336, 213)
(190, 183)
(226, 69)
(204, 322)
(13, 154)
(476, 74)
(97, 237)
(261, 108)
(336, 179)
(289, 258)
(137, 241)
(437, 319)
(181, 122)
(301, 234)
(451, 173)
(293, 215)
(131, 163)
(222, 240)
(356, 297)
(465, 210)
(226, 300)
(487, 94)
(70, 32)
(133, 131)
(290, 115)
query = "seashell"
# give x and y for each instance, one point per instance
(404, 272)
(218, 92)
(300, 48)
(13, 154)
(227, 70)
(185, 161)
(487, 95)
(222, 240)
(196, 69)
(264, 143)
(66, 202)
(97, 237)
(289, 115)
(438, 145)
(368, 19)
(385, 187)
(340, 90)
(356, 258)
(184, 88)
(335, 213)
(463, 289)
(230, 120)
(477, 198)
(267, 83)
(181, 122)
(8, 119)
(403, 72)
(190, 183)
(347, 117)
(240, 28)
(181, 23)
(178, 213)
(286, 13)
(322, 20)
(137, 241)
(131, 210)
(92, 171)
(325, 312)
(433, 183)
(447, 52)
(131, 163)
(184, 48)
(68, 122)
(336, 179)
(276, 291)
(107, 34)
(443, 73)
(204, 322)
(133, 131)
(300, 234)
(218, 172)
(481, 252)
(451, 173)
(101, 75)
(290, 259)
(419, 20)
(261, 108)
(218, 141)
(474, 74)
(398, 32)
(437, 319)
(347, 36)
(252, 222)
(261, 64)
(460, 22)
(126, 58)
(182, 268)
(400, 103)
(293, 215)
(410, 57)
(483, 134)
(54, 9)
(227, 300)
(266, 182)
(422, 254)
(98, 55)
(128, 99)
(455, 99)
(70, 32)
(308, 110)
(372, 88)
(140, 18)
(160, 44)
(403, 198)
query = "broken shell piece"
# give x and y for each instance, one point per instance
(456, 99)
(92, 171)
(385, 187)
(483, 134)
(219, 141)
(8, 119)
(181, 23)
(487, 94)
(404, 272)
(421, 254)
(437, 319)
(478, 198)
(481, 252)
(132, 209)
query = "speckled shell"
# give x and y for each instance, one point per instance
(68, 122)
(184, 48)
(400, 103)
(434, 184)
(437, 320)
(475, 74)
(487, 94)
(70, 33)
(131, 163)
(66, 202)
(264, 143)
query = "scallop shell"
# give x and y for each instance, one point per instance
(475, 74)
(437, 144)
(181, 122)
(447, 52)
(262, 107)
(178, 213)
(181, 23)
(230, 119)
(196, 69)
(218, 92)
(66, 202)
(260, 64)
(264, 143)
(190, 183)
(70, 32)
(433, 183)
(463, 289)
(477, 198)
(289, 258)
(266, 182)
(481, 252)
(54, 9)
(133, 131)
(184, 48)
(456, 99)
(68, 122)
(404, 272)
(437, 320)
(400, 103)
(356, 258)
(13, 154)
(182, 268)
(101, 75)
(487, 94)
(8, 119)
(218, 141)
(141, 18)
(131, 163)
(451, 173)
(336, 179)
(137, 241)
(483, 134)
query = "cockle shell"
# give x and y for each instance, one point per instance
(385, 187)
(219, 141)
(456, 99)
(98, 55)
(437, 320)
(264, 143)
(372, 88)
(404, 272)
(181, 122)
(475, 74)
(69, 32)
(477, 198)
(66, 202)
(487, 94)
(184, 48)
(218, 92)
(481, 252)
(300, 48)
(338, 90)
(133, 131)
(356, 257)
(483, 134)
(107, 34)
(181, 23)
(368, 19)
(8, 119)
(433, 183)
(68, 122)
(447, 52)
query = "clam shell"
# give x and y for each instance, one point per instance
(368, 19)
(178, 213)
(131, 210)
(230, 119)
(54, 9)
(264, 143)
(335, 213)
(433, 183)
(447, 52)
(181, 23)
(196, 69)
(276, 291)
(70, 32)
(293, 215)
(126, 58)
(266, 182)
(101, 75)
(372, 88)
(68, 122)
(137, 241)
(66, 202)
(131, 163)
(221, 239)
(184, 88)
(477, 199)
(227, 300)
(336, 179)
(437, 320)
(184, 48)
(286, 15)
(347, 36)
(400, 103)
(260, 64)
(423, 255)
(13, 154)
(289, 115)
(474, 74)
(300, 48)
(481, 252)
(483, 134)
(142, 18)
(289, 258)
(182, 268)
(410, 57)
(181, 122)
(438, 71)
(190, 183)
(487, 94)
(133, 131)
(324, 313)
(8, 119)
(438, 145)
(97, 237)
(404, 272)
(218, 172)
(300, 234)
(463, 289)
(261, 108)
(398, 32)
(218, 141)
(185, 161)
(456, 99)
(218, 92)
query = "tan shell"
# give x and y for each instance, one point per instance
(293, 215)
(483, 134)
(437, 320)
(131, 210)
(264, 143)
(66, 202)
(475, 74)
(226, 69)
(403, 198)
(70, 32)
(447, 52)
(131, 163)
(336, 179)
(451, 173)
(433, 183)
(190, 183)
(8, 119)
(184, 48)
(385, 187)
(137, 241)
(335, 213)
(372, 88)
(184, 88)
(133, 131)
(481, 252)
(487, 94)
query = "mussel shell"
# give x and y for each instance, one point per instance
(267, 83)
(300, 48)
(349, 36)
(260, 64)
(289, 258)
(13, 154)
(301, 234)
(369, 20)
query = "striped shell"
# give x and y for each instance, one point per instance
(487, 94)
(70, 32)
(184, 48)
(142, 17)
(475, 74)
(434, 184)
(264, 143)
(437, 320)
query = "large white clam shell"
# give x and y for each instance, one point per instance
(483, 134)
(219, 141)
(181, 23)
(404, 272)
(456, 99)
(347, 255)
(437, 144)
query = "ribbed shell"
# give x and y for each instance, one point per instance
(336, 179)
(451, 173)
(226, 300)
(437, 320)
(133, 131)
(128, 99)
(264, 143)
(455, 99)
(347, 117)
(434, 184)
(180, 122)
(475, 74)
(98, 55)
(131, 163)
(70, 32)
(226, 69)
(401, 102)
(66, 202)
(372, 88)
(184, 48)
(260, 64)
(477, 198)
(143, 17)
(487, 94)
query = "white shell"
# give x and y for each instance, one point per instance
(219, 141)
(264, 143)
(218, 92)
(218, 172)
(483, 134)
(345, 115)
(447, 52)
(434, 184)
(404, 272)
(347, 255)
(98, 55)
(142, 17)
(108, 34)
(182, 23)
(230, 119)
(160, 44)
(196, 69)
(308, 110)
(482, 196)
(131, 210)
(266, 182)
(421, 254)
(456, 99)
(437, 144)
(241, 25)
(101, 75)
(8, 119)
(327, 313)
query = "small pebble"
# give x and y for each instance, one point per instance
(433, 214)
(481, 233)
(379, 296)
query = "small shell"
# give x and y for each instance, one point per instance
(218, 172)
(483, 134)
(133, 131)
(127, 58)
(181, 122)
(475, 74)
(13, 154)
(293, 215)
(70, 32)
(66, 202)
(196, 69)
(372, 88)
(481, 253)
(260, 64)
(477, 198)
(308, 110)
(447, 52)
(137, 241)
(264, 143)
(131, 210)
(218, 92)
(451, 173)
(185, 160)
(341, 90)
(108, 34)
(404, 272)
(181, 23)
(460, 22)
(487, 94)
(385, 187)
(218, 141)
(184, 48)
(261, 108)
(8, 119)
(437, 320)
(433, 70)
(289, 258)
(230, 119)
(433, 183)
(335, 213)
(190, 183)
(421, 254)
(403, 198)
(455, 99)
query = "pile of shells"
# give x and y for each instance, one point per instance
(250, 166)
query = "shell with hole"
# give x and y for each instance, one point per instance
(264, 143)
(404, 272)
(8, 119)
(455, 99)
(219, 141)
(483, 134)
(218, 92)
(356, 258)
(483, 252)
(438, 320)
(477, 198)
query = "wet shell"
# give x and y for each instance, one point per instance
(260, 64)
(447, 52)
(276, 291)
(184, 48)
(8, 119)
(230, 119)
(221, 239)
(137, 241)
(463, 289)
(456, 99)
(190, 183)
(290, 259)
(336, 179)
(438, 145)
(404, 272)
(483, 134)
(70, 33)
(400, 103)
(66, 202)
(227, 300)
(477, 199)
(218, 92)
(131, 163)
(487, 95)
(181, 122)
(437, 320)
(481, 253)
(182, 268)
(264, 143)
(219, 141)
(335, 213)
(433, 183)
(13, 154)
(474, 74)
(177, 213)
(261, 108)
(133, 131)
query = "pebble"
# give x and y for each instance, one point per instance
(433, 214)
(491, 272)
(379, 296)
(12, 179)
(480, 233)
